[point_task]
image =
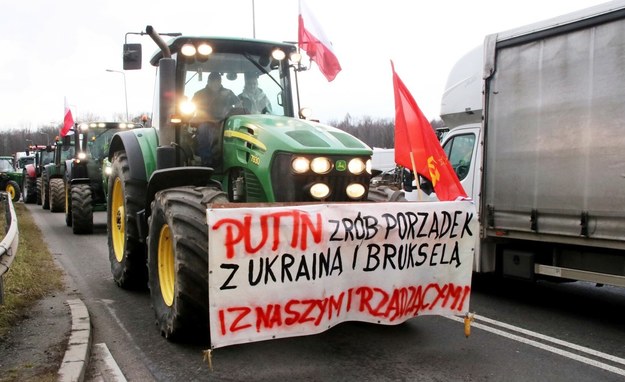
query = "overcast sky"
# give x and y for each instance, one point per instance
(57, 49)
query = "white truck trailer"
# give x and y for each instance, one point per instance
(537, 119)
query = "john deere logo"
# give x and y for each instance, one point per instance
(340, 165)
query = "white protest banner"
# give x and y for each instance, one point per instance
(297, 270)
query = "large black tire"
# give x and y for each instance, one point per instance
(178, 253)
(68, 205)
(127, 254)
(57, 195)
(45, 194)
(82, 209)
(13, 189)
(39, 191)
(30, 190)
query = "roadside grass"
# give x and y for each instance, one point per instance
(33, 275)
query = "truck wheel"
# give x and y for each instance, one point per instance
(127, 254)
(30, 190)
(57, 195)
(178, 261)
(13, 189)
(39, 192)
(82, 209)
(68, 206)
(45, 196)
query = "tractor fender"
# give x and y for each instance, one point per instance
(140, 148)
(178, 177)
(30, 171)
(80, 181)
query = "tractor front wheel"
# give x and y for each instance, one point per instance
(30, 189)
(57, 195)
(126, 197)
(82, 209)
(13, 189)
(178, 260)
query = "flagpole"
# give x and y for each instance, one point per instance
(253, 20)
(416, 175)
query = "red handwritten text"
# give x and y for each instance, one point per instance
(300, 225)
(398, 304)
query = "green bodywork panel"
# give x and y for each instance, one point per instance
(251, 142)
(6, 167)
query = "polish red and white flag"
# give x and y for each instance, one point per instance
(315, 43)
(68, 121)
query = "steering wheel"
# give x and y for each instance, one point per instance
(462, 169)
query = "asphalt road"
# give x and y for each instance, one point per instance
(522, 332)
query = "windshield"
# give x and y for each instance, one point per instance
(99, 141)
(6, 165)
(255, 85)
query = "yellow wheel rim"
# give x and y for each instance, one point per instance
(11, 190)
(118, 220)
(166, 267)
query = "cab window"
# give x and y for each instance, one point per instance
(459, 150)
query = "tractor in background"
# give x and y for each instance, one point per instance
(32, 172)
(85, 186)
(10, 178)
(52, 184)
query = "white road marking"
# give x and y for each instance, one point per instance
(105, 364)
(549, 348)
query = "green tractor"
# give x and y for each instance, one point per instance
(10, 179)
(159, 187)
(52, 184)
(84, 173)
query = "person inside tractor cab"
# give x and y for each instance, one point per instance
(254, 99)
(213, 103)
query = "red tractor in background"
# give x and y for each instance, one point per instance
(32, 172)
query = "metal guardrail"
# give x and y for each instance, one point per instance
(8, 246)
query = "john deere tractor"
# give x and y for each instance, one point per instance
(52, 185)
(84, 181)
(10, 179)
(158, 190)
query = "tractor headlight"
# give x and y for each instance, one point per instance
(188, 50)
(187, 107)
(82, 155)
(355, 190)
(319, 190)
(368, 166)
(356, 166)
(321, 165)
(204, 49)
(108, 170)
(300, 165)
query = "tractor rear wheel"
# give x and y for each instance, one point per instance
(126, 197)
(13, 189)
(82, 209)
(178, 260)
(30, 190)
(57, 195)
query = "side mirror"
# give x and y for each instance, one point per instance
(132, 56)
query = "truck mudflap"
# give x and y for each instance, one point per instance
(294, 270)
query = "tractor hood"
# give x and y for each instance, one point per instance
(277, 133)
